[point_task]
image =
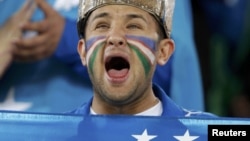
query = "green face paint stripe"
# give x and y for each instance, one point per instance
(93, 57)
(145, 62)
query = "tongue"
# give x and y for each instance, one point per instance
(117, 73)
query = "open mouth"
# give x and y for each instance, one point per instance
(117, 67)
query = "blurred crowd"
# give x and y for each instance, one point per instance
(222, 29)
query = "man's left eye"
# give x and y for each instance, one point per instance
(133, 26)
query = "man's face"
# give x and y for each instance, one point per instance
(120, 50)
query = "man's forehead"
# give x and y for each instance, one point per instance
(118, 10)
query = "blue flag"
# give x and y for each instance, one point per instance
(62, 127)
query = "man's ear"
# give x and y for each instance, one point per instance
(81, 51)
(166, 49)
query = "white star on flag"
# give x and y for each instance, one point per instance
(10, 103)
(186, 137)
(144, 136)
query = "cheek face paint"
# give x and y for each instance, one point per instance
(144, 48)
(93, 45)
(92, 41)
(145, 62)
(147, 42)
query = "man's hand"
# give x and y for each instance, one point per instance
(10, 31)
(49, 32)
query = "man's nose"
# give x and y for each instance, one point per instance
(116, 38)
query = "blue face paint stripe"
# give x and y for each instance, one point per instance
(144, 40)
(92, 40)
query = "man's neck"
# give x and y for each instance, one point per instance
(143, 103)
(153, 111)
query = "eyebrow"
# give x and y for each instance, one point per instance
(101, 15)
(136, 16)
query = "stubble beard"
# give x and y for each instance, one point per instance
(118, 97)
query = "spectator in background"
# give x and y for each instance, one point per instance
(57, 48)
(10, 31)
(32, 84)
